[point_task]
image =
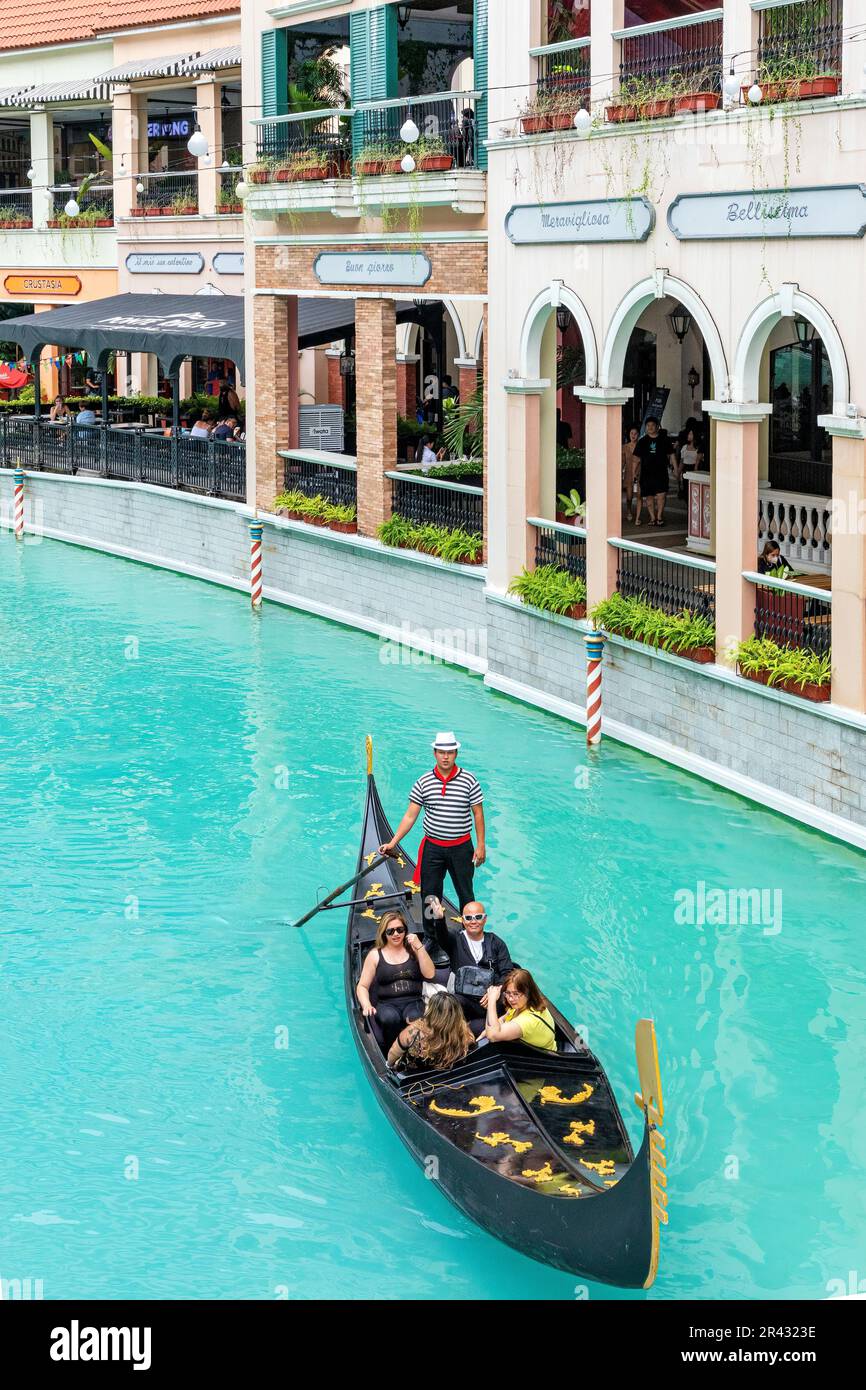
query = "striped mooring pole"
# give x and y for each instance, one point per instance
(18, 504)
(256, 529)
(594, 649)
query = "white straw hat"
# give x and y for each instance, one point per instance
(445, 741)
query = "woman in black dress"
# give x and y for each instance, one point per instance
(397, 966)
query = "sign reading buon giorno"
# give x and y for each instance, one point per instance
(372, 268)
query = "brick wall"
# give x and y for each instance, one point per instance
(375, 408)
(458, 267)
(275, 353)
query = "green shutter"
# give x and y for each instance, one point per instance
(275, 72)
(372, 66)
(479, 82)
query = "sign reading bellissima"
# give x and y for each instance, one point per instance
(605, 219)
(772, 213)
(372, 268)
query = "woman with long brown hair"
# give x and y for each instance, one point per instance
(437, 1041)
(527, 1019)
(398, 965)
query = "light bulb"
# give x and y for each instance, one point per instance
(30, 175)
(139, 187)
(409, 132)
(756, 96)
(197, 144)
(241, 188)
(72, 209)
(731, 85)
(407, 164)
(582, 121)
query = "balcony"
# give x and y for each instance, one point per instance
(16, 209)
(562, 86)
(799, 51)
(168, 194)
(95, 207)
(669, 68)
(352, 160)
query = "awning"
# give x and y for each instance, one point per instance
(174, 66)
(215, 60)
(83, 89)
(175, 326)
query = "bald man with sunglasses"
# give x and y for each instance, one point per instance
(478, 958)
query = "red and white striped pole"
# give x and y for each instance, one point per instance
(256, 529)
(594, 650)
(18, 504)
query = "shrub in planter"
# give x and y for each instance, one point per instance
(260, 172)
(455, 545)
(792, 669)
(571, 510)
(687, 634)
(153, 212)
(137, 212)
(535, 113)
(552, 589)
(430, 155)
(698, 102)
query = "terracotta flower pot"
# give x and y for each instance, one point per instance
(392, 166)
(795, 89)
(435, 163)
(816, 693)
(576, 611)
(698, 101)
(702, 655)
(465, 560)
(347, 528)
(534, 125)
(561, 120)
(314, 174)
(655, 110)
(104, 222)
(285, 176)
(619, 114)
(138, 212)
(818, 87)
(153, 212)
(370, 166)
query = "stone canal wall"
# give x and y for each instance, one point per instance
(809, 762)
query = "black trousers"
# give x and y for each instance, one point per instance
(436, 861)
(392, 1016)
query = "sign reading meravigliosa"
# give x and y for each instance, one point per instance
(599, 219)
(770, 213)
(372, 268)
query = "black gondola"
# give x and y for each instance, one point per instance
(530, 1144)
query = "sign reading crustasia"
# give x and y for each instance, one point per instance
(602, 219)
(770, 213)
(42, 284)
(372, 268)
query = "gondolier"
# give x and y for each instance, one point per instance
(451, 799)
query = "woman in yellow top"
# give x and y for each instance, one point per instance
(527, 1019)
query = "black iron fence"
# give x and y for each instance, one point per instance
(672, 59)
(665, 582)
(169, 194)
(563, 72)
(793, 620)
(338, 485)
(95, 207)
(208, 466)
(800, 41)
(557, 546)
(438, 504)
(16, 207)
(446, 126)
(315, 145)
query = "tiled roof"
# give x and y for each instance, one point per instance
(34, 23)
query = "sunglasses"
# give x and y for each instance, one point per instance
(473, 916)
(395, 931)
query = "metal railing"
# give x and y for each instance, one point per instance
(559, 545)
(96, 206)
(563, 70)
(334, 478)
(665, 580)
(800, 525)
(228, 200)
(800, 41)
(198, 465)
(675, 56)
(16, 207)
(430, 502)
(447, 122)
(169, 194)
(306, 145)
(793, 615)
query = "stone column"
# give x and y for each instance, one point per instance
(124, 144)
(208, 94)
(42, 164)
(603, 485)
(275, 353)
(853, 18)
(735, 506)
(740, 29)
(513, 492)
(849, 562)
(336, 395)
(605, 17)
(375, 408)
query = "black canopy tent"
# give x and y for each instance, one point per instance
(172, 327)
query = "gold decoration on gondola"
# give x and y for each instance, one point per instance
(571, 1191)
(368, 858)
(576, 1129)
(370, 913)
(411, 885)
(375, 891)
(484, 1105)
(544, 1174)
(499, 1137)
(604, 1167)
(551, 1095)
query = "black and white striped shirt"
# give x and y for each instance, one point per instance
(448, 816)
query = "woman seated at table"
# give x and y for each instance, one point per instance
(202, 428)
(437, 1041)
(59, 410)
(770, 558)
(226, 429)
(527, 1018)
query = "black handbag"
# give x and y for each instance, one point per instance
(472, 980)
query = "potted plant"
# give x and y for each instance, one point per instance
(311, 166)
(344, 518)
(687, 634)
(431, 156)
(182, 206)
(551, 589)
(796, 670)
(102, 217)
(535, 113)
(137, 211)
(259, 172)
(644, 100)
(792, 77)
(571, 510)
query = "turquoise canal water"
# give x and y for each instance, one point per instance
(178, 778)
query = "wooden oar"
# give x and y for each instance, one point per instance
(368, 869)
